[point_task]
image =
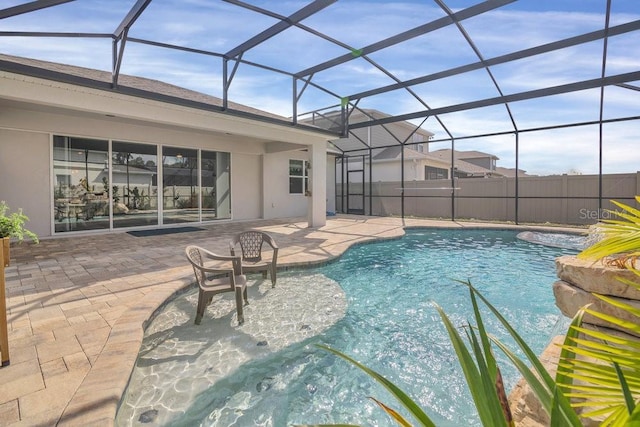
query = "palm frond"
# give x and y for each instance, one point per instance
(400, 395)
(619, 235)
(392, 413)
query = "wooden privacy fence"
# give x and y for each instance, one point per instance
(4, 336)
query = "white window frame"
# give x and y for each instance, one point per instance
(304, 177)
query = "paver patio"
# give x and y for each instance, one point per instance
(77, 306)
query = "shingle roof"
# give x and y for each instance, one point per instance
(394, 153)
(470, 168)
(510, 172)
(364, 114)
(139, 83)
(471, 154)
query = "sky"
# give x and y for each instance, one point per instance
(217, 26)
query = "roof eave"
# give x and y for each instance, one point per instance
(42, 73)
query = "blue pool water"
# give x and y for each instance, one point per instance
(392, 326)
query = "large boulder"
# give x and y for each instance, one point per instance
(580, 279)
(525, 407)
(594, 276)
(570, 299)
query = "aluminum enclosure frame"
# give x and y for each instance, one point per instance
(346, 104)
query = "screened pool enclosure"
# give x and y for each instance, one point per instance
(523, 111)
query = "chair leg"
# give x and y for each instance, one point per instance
(244, 293)
(273, 277)
(201, 306)
(239, 306)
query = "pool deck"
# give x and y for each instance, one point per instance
(76, 306)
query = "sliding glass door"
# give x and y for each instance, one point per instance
(80, 193)
(102, 185)
(216, 185)
(134, 190)
(180, 185)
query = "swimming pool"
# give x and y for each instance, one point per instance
(389, 323)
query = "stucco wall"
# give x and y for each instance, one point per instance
(25, 178)
(246, 186)
(25, 166)
(390, 171)
(385, 171)
(278, 203)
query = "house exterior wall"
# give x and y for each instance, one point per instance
(278, 203)
(379, 136)
(246, 192)
(483, 162)
(26, 170)
(33, 109)
(389, 170)
(24, 176)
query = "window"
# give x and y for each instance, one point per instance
(134, 186)
(80, 195)
(298, 176)
(180, 200)
(101, 184)
(215, 190)
(196, 185)
(434, 173)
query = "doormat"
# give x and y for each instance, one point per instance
(163, 231)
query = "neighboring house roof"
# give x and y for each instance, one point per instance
(138, 83)
(364, 114)
(132, 170)
(393, 153)
(471, 154)
(511, 172)
(467, 167)
(401, 129)
(471, 169)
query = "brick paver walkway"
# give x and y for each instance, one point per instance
(77, 307)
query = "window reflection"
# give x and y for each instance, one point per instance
(196, 185)
(81, 192)
(180, 200)
(135, 184)
(298, 176)
(216, 190)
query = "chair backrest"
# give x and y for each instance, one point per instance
(251, 245)
(195, 258)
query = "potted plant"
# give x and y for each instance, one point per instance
(12, 226)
